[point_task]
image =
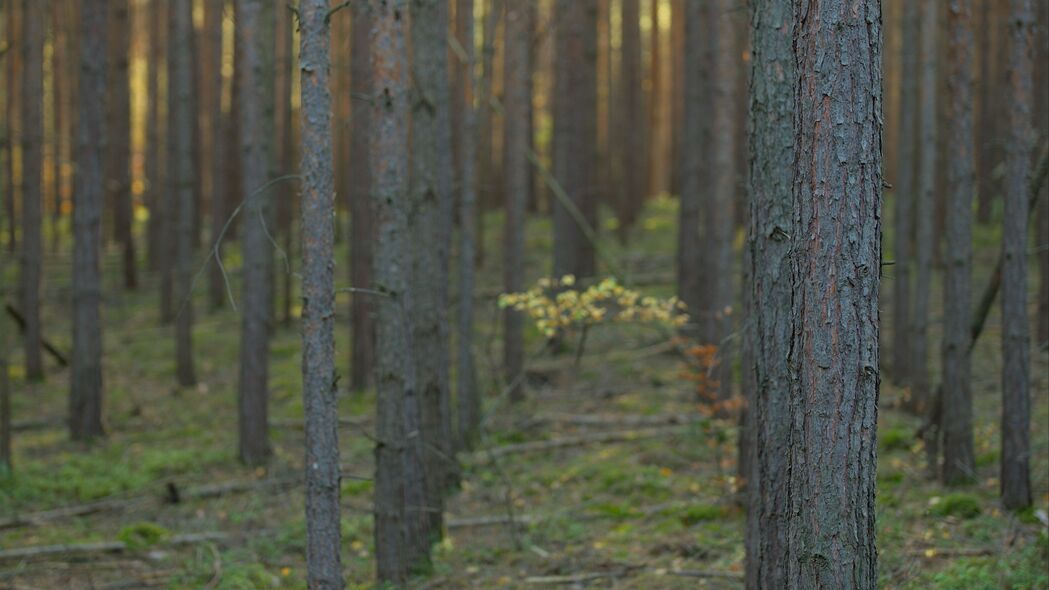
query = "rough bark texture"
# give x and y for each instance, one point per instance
(319, 381)
(628, 127)
(362, 306)
(32, 126)
(85, 396)
(956, 417)
(904, 192)
(182, 174)
(1042, 233)
(467, 396)
(431, 227)
(118, 155)
(690, 255)
(575, 133)
(1016, 403)
(516, 170)
(401, 522)
(835, 265)
(255, 29)
(924, 197)
(771, 155)
(213, 21)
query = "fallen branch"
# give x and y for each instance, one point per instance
(620, 420)
(50, 348)
(704, 574)
(574, 441)
(81, 549)
(934, 553)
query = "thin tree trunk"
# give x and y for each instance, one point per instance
(1016, 403)
(59, 81)
(13, 92)
(1042, 234)
(835, 264)
(575, 134)
(629, 125)
(467, 396)
(319, 381)
(183, 174)
(431, 226)
(654, 168)
(362, 233)
(169, 209)
(284, 145)
(956, 406)
(401, 536)
(33, 12)
(988, 153)
(213, 21)
(118, 155)
(255, 33)
(904, 197)
(690, 253)
(771, 147)
(155, 152)
(85, 396)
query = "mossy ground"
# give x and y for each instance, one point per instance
(635, 510)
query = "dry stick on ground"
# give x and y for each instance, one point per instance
(82, 549)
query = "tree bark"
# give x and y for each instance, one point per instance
(690, 254)
(516, 170)
(213, 23)
(467, 396)
(362, 233)
(85, 395)
(575, 133)
(284, 159)
(182, 173)
(1016, 403)
(835, 266)
(771, 145)
(319, 381)
(904, 192)
(13, 67)
(155, 145)
(255, 29)
(1042, 234)
(629, 124)
(402, 535)
(118, 156)
(32, 136)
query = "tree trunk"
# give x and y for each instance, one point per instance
(155, 152)
(987, 143)
(772, 109)
(575, 134)
(213, 21)
(362, 233)
(13, 64)
(32, 121)
(629, 123)
(431, 227)
(85, 395)
(118, 155)
(255, 30)
(60, 80)
(1042, 234)
(319, 381)
(1016, 403)
(904, 192)
(401, 523)
(833, 354)
(467, 395)
(956, 405)
(284, 160)
(170, 204)
(925, 196)
(516, 170)
(183, 174)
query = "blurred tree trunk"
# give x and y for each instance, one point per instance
(653, 138)
(319, 381)
(904, 192)
(255, 31)
(516, 170)
(32, 120)
(155, 143)
(60, 79)
(401, 524)
(213, 21)
(118, 154)
(235, 190)
(989, 149)
(1042, 233)
(467, 395)
(170, 204)
(5, 391)
(431, 231)
(925, 195)
(1016, 403)
(677, 117)
(955, 417)
(182, 173)
(629, 124)
(284, 158)
(575, 134)
(13, 71)
(485, 127)
(362, 232)
(771, 148)
(835, 263)
(85, 395)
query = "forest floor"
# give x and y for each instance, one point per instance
(636, 492)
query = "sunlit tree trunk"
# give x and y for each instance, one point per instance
(1016, 402)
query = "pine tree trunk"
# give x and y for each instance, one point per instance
(85, 396)
(183, 174)
(118, 155)
(1016, 403)
(32, 121)
(213, 21)
(987, 144)
(362, 232)
(956, 403)
(12, 67)
(155, 152)
(629, 124)
(319, 381)
(690, 253)
(904, 194)
(771, 147)
(833, 355)
(284, 159)
(401, 523)
(1042, 234)
(575, 133)
(255, 30)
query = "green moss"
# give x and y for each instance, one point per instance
(957, 504)
(893, 439)
(141, 535)
(701, 513)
